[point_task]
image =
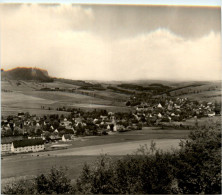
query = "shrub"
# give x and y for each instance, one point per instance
(194, 168)
(131, 174)
(55, 181)
(20, 187)
(199, 162)
(97, 179)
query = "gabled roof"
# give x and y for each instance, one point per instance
(159, 106)
(27, 142)
(67, 136)
(8, 140)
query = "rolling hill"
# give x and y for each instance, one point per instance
(29, 89)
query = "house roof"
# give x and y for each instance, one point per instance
(8, 140)
(27, 142)
(67, 136)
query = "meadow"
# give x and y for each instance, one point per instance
(87, 149)
(27, 97)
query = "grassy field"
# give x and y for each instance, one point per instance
(17, 168)
(205, 121)
(208, 91)
(147, 133)
(27, 98)
(33, 164)
(87, 149)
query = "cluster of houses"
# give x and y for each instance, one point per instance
(25, 132)
(178, 109)
(29, 133)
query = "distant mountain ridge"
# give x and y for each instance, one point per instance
(22, 73)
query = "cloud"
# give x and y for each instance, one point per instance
(60, 39)
(164, 55)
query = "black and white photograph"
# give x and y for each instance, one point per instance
(111, 97)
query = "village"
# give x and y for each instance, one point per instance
(29, 133)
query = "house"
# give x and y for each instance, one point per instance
(6, 143)
(118, 127)
(27, 145)
(6, 147)
(65, 123)
(159, 106)
(110, 126)
(159, 115)
(54, 138)
(66, 137)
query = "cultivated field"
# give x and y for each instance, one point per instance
(27, 97)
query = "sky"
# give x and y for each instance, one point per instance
(113, 42)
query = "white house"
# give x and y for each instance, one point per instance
(6, 143)
(66, 137)
(159, 106)
(118, 127)
(159, 115)
(6, 147)
(27, 145)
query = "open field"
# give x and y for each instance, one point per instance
(27, 98)
(74, 158)
(205, 121)
(147, 133)
(87, 149)
(208, 91)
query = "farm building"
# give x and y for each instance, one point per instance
(27, 145)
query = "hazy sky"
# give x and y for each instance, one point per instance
(113, 42)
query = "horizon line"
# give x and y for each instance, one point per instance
(113, 80)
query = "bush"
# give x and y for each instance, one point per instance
(20, 187)
(199, 162)
(132, 174)
(55, 181)
(97, 179)
(194, 168)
